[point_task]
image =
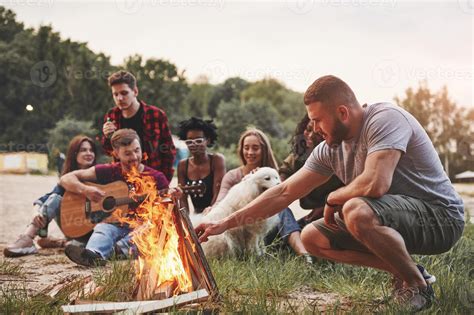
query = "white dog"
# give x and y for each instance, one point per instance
(249, 237)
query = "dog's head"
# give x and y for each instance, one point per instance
(264, 177)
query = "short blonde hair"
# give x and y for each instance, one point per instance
(268, 159)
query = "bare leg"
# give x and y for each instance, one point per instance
(318, 245)
(386, 243)
(294, 240)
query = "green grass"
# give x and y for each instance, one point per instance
(8, 268)
(257, 285)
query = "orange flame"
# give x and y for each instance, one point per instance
(155, 235)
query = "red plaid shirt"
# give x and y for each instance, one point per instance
(158, 147)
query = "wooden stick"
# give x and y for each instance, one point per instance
(138, 307)
(192, 297)
(200, 253)
(165, 290)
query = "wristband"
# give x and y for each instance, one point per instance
(331, 205)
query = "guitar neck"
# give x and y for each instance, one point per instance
(128, 200)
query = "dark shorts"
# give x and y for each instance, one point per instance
(426, 227)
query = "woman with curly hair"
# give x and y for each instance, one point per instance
(201, 166)
(303, 142)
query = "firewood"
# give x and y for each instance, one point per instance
(165, 290)
(141, 306)
(200, 253)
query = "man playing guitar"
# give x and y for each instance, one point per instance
(102, 243)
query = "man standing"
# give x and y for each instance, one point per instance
(107, 238)
(150, 123)
(397, 200)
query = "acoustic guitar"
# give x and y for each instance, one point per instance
(79, 215)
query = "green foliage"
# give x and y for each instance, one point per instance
(198, 99)
(236, 117)
(447, 124)
(65, 130)
(9, 268)
(226, 92)
(232, 159)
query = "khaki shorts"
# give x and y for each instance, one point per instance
(426, 227)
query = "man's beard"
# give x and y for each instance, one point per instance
(339, 133)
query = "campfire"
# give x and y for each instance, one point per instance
(170, 261)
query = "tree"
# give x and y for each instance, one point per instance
(446, 124)
(62, 133)
(226, 92)
(9, 27)
(198, 99)
(235, 117)
(287, 103)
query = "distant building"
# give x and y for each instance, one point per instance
(467, 176)
(23, 162)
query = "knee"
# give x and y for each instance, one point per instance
(313, 240)
(102, 228)
(358, 217)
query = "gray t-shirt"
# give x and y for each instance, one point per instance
(419, 172)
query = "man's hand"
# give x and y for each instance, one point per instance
(93, 193)
(176, 192)
(204, 230)
(109, 128)
(39, 221)
(329, 212)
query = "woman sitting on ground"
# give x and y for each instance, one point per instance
(201, 166)
(255, 151)
(81, 154)
(302, 144)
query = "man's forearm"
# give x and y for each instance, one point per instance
(362, 186)
(267, 204)
(71, 183)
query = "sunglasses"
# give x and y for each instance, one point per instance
(196, 141)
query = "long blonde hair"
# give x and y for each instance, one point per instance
(268, 159)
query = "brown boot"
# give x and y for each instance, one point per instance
(51, 242)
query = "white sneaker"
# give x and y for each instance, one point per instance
(21, 247)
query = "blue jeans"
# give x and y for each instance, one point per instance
(106, 236)
(51, 207)
(287, 225)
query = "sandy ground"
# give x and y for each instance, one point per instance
(49, 267)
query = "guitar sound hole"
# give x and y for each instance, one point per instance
(108, 203)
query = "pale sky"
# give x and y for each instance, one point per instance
(379, 47)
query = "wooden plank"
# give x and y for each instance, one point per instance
(138, 307)
(200, 253)
(192, 297)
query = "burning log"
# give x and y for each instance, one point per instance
(171, 265)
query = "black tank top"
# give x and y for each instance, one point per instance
(202, 201)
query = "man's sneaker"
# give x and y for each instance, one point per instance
(397, 283)
(84, 257)
(430, 279)
(415, 299)
(21, 247)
